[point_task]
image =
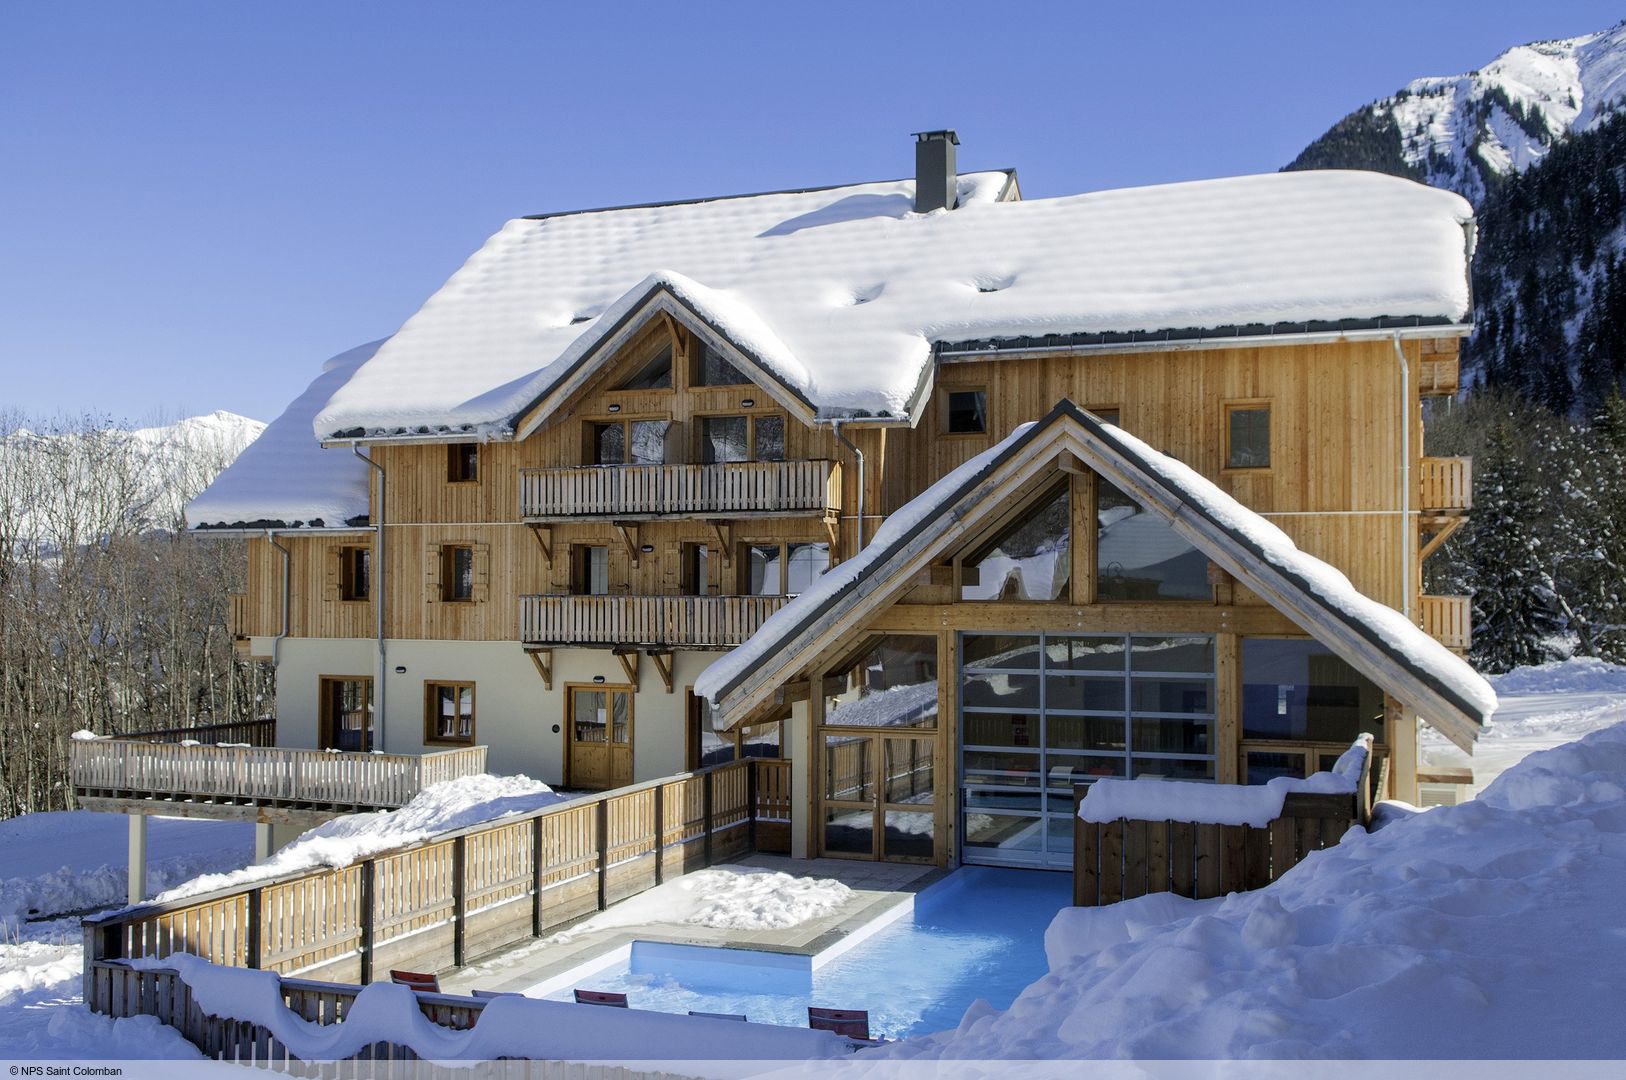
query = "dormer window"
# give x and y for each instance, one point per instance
(463, 463)
(711, 368)
(655, 375)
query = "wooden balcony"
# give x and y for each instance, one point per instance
(261, 783)
(1447, 486)
(237, 615)
(1439, 371)
(1448, 620)
(640, 492)
(642, 621)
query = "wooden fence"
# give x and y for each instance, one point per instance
(643, 620)
(262, 732)
(437, 903)
(1446, 483)
(122, 769)
(740, 489)
(1120, 860)
(117, 990)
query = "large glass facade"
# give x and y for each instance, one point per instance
(1042, 713)
(1029, 561)
(1301, 705)
(1139, 556)
(892, 684)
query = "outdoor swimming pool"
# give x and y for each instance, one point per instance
(977, 934)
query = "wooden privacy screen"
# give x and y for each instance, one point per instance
(444, 900)
(1120, 860)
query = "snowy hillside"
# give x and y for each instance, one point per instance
(1464, 132)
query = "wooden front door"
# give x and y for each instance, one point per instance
(598, 737)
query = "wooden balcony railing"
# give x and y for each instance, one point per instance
(115, 770)
(1448, 620)
(1439, 374)
(737, 489)
(697, 621)
(261, 732)
(237, 615)
(1447, 485)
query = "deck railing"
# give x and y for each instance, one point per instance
(1447, 485)
(261, 732)
(1448, 620)
(737, 489)
(643, 620)
(460, 894)
(107, 769)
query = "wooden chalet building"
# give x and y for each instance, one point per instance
(616, 443)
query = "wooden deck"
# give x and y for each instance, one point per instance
(669, 621)
(122, 775)
(435, 904)
(634, 492)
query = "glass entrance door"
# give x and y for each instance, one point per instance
(1040, 714)
(879, 796)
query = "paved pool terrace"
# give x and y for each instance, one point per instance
(881, 894)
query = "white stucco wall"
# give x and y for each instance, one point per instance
(521, 723)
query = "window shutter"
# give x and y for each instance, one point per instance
(482, 573)
(431, 572)
(332, 577)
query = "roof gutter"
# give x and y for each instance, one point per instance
(1194, 344)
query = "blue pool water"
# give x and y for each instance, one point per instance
(978, 933)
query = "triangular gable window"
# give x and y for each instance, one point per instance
(655, 375)
(711, 368)
(1030, 559)
(1139, 556)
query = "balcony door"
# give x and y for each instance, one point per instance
(598, 737)
(346, 709)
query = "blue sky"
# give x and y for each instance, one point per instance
(204, 200)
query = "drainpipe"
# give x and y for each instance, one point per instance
(1406, 537)
(835, 426)
(276, 642)
(376, 588)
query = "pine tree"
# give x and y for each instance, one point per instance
(1514, 595)
(1590, 533)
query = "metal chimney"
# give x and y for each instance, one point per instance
(936, 183)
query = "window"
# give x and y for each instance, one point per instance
(708, 746)
(1300, 692)
(1030, 560)
(655, 375)
(463, 463)
(591, 572)
(347, 708)
(1139, 556)
(448, 712)
(712, 368)
(456, 573)
(724, 439)
(1247, 436)
(892, 683)
(769, 433)
(782, 569)
(355, 573)
(627, 442)
(966, 412)
(1107, 414)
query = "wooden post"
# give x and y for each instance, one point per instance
(460, 893)
(536, 876)
(751, 804)
(602, 813)
(660, 833)
(364, 946)
(706, 804)
(251, 946)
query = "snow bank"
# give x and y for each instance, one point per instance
(284, 477)
(1154, 799)
(454, 804)
(1577, 675)
(510, 1026)
(843, 291)
(725, 897)
(1486, 930)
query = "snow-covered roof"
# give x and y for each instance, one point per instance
(1374, 638)
(843, 292)
(285, 479)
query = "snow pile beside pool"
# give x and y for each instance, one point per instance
(510, 1026)
(727, 898)
(454, 804)
(1492, 929)
(1149, 799)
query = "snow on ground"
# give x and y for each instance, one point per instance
(1492, 929)
(1537, 708)
(454, 804)
(73, 860)
(725, 897)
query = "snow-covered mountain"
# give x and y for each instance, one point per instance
(1467, 132)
